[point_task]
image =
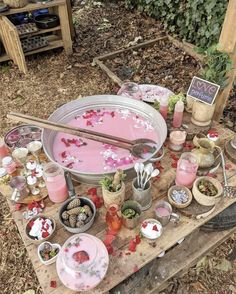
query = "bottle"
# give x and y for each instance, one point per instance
(113, 220)
(178, 114)
(164, 107)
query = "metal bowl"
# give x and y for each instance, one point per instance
(84, 201)
(68, 111)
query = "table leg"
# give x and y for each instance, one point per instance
(65, 28)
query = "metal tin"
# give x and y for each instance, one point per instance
(68, 111)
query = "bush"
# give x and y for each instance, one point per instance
(196, 21)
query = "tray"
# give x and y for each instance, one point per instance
(33, 43)
(152, 93)
(26, 29)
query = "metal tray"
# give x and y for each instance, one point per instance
(68, 111)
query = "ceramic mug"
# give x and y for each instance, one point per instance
(164, 214)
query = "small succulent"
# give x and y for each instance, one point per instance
(113, 184)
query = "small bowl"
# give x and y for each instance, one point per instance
(145, 231)
(84, 201)
(27, 229)
(51, 260)
(178, 188)
(131, 223)
(204, 199)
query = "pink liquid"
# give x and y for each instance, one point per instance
(164, 111)
(177, 120)
(186, 173)
(93, 157)
(4, 151)
(162, 211)
(57, 189)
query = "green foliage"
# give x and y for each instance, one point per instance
(106, 182)
(217, 65)
(196, 21)
(171, 102)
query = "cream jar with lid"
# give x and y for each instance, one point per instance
(9, 164)
(177, 140)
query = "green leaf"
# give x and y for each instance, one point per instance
(224, 265)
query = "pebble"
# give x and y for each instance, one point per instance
(179, 196)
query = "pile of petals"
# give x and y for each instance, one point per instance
(33, 209)
(174, 160)
(40, 228)
(109, 238)
(97, 200)
(133, 243)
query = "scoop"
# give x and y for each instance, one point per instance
(141, 148)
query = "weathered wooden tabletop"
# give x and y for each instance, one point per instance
(123, 263)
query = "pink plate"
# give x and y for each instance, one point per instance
(150, 93)
(82, 262)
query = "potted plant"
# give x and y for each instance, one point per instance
(113, 189)
(215, 70)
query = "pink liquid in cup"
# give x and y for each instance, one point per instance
(57, 189)
(4, 151)
(162, 211)
(186, 173)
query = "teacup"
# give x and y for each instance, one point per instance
(164, 214)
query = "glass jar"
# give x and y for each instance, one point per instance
(9, 164)
(55, 182)
(4, 151)
(177, 139)
(19, 183)
(130, 90)
(4, 177)
(186, 170)
(113, 220)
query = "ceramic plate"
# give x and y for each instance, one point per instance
(152, 92)
(82, 262)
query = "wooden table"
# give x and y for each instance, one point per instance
(124, 263)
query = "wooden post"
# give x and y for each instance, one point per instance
(227, 44)
(65, 28)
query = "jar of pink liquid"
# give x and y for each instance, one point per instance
(186, 170)
(4, 151)
(55, 182)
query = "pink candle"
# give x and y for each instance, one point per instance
(4, 151)
(186, 170)
(55, 183)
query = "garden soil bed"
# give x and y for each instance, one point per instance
(55, 79)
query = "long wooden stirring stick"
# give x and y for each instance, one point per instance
(92, 135)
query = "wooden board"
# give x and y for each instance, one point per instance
(230, 152)
(123, 263)
(153, 277)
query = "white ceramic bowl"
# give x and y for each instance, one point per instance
(51, 260)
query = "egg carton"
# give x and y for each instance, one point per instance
(26, 28)
(33, 43)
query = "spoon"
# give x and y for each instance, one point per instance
(141, 173)
(154, 174)
(142, 148)
(137, 169)
(148, 169)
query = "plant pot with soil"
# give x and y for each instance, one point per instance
(113, 189)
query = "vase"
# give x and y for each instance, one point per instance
(131, 223)
(202, 113)
(116, 198)
(204, 152)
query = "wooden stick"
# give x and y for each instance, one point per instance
(140, 45)
(92, 135)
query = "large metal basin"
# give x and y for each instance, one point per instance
(67, 112)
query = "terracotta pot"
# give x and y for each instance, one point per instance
(110, 198)
(202, 113)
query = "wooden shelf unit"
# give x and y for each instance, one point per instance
(61, 35)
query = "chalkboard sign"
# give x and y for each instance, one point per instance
(203, 90)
